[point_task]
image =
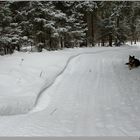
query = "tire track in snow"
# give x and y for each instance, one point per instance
(44, 98)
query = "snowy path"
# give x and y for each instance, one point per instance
(95, 95)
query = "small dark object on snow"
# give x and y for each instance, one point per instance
(133, 62)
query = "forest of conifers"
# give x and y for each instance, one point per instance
(55, 25)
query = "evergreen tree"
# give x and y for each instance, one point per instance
(57, 24)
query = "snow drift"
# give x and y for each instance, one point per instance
(24, 76)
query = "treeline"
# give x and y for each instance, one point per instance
(57, 24)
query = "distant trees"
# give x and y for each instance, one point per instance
(134, 21)
(57, 24)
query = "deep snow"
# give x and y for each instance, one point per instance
(80, 91)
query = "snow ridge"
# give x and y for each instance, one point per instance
(38, 103)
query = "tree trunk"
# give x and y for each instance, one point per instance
(102, 42)
(117, 36)
(135, 41)
(50, 43)
(110, 40)
(86, 40)
(135, 38)
(92, 26)
(131, 42)
(61, 42)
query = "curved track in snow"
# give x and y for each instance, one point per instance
(42, 99)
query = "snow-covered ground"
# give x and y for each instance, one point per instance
(24, 76)
(80, 91)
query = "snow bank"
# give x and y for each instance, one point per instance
(134, 45)
(24, 76)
